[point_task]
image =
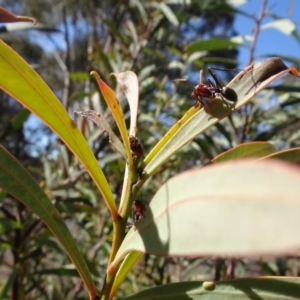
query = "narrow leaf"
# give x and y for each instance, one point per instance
(116, 110)
(290, 155)
(21, 82)
(271, 288)
(212, 44)
(127, 264)
(166, 10)
(285, 26)
(15, 180)
(130, 86)
(246, 150)
(7, 17)
(6, 287)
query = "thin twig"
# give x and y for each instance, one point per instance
(256, 30)
(251, 59)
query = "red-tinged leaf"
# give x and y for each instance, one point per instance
(8, 17)
(231, 208)
(116, 110)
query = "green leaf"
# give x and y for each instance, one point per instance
(21, 82)
(271, 288)
(80, 96)
(212, 44)
(7, 225)
(15, 180)
(230, 209)
(6, 287)
(246, 85)
(18, 120)
(285, 26)
(167, 12)
(127, 264)
(246, 150)
(79, 76)
(291, 155)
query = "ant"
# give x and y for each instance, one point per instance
(138, 209)
(212, 90)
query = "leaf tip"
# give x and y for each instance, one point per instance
(26, 19)
(95, 75)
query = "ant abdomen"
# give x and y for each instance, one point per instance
(229, 94)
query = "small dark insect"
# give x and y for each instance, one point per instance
(212, 90)
(136, 148)
(138, 209)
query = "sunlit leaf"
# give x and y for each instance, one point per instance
(116, 110)
(169, 14)
(246, 85)
(127, 264)
(285, 26)
(230, 209)
(130, 86)
(21, 82)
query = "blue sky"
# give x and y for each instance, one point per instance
(270, 41)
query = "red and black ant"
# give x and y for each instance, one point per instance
(138, 209)
(212, 90)
(138, 212)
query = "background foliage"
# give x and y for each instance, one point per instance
(160, 42)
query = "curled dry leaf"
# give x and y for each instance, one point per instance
(102, 123)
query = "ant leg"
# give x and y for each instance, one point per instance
(221, 96)
(224, 100)
(210, 84)
(198, 100)
(214, 76)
